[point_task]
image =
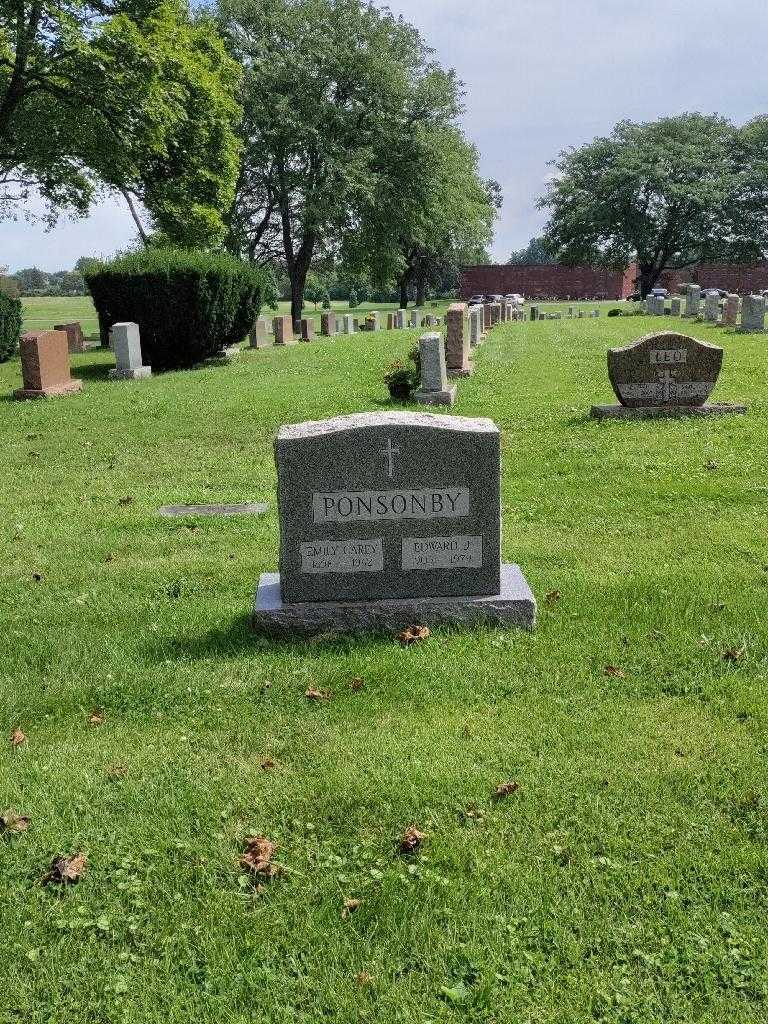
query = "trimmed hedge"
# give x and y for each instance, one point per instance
(10, 326)
(188, 305)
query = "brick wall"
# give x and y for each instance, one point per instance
(543, 281)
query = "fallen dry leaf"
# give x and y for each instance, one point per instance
(66, 870)
(10, 821)
(17, 737)
(710, 465)
(552, 598)
(412, 635)
(612, 670)
(734, 653)
(117, 771)
(37, 577)
(363, 979)
(356, 683)
(505, 789)
(96, 717)
(314, 694)
(257, 857)
(126, 500)
(350, 906)
(267, 763)
(411, 840)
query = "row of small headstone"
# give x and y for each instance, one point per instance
(45, 369)
(280, 330)
(716, 311)
(538, 314)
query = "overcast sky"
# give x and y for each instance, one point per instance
(540, 75)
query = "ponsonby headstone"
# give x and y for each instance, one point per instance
(125, 342)
(664, 373)
(388, 519)
(45, 366)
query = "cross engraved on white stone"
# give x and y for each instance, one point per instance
(389, 453)
(667, 384)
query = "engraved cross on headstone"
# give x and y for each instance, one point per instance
(667, 384)
(389, 453)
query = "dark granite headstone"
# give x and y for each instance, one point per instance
(389, 518)
(664, 374)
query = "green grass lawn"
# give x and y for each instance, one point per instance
(625, 882)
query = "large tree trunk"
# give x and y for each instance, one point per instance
(649, 275)
(298, 268)
(421, 291)
(404, 284)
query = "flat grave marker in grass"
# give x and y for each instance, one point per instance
(388, 519)
(246, 508)
(664, 374)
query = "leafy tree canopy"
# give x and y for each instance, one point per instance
(668, 194)
(535, 252)
(133, 94)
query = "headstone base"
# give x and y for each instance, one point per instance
(514, 606)
(137, 373)
(460, 372)
(651, 412)
(447, 397)
(57, 392)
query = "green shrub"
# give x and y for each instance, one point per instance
(326, 300)
(10, 326)
(188, 304)
(615, 312)
(354, 302)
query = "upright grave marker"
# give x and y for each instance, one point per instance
(664, 374)
(75, 337)
(692, 301)
(434, 388)
(328, 323)
(391, 320)
(457, 341)
(125, 342)
(282, 327)
(674, 307)
(307, 328)
(475, 325)
(731, 311)
(45, 366)
(752, 315)
(712, 306)
(261, 335)
(389, 519)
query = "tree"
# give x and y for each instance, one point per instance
(535, 252)
(133, 94)
(31, 280)
(328, 88)
(668, 194)
(431, 212)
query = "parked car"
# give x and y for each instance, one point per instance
(477, 300)
(494, 298)
(515, 298)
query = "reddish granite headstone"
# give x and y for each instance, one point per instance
(45, 366)
(307, 328)
(75, 336)
(457, 341)
(283, 327)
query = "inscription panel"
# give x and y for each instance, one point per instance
(459, 552)
(373, 506)
(342, 556)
